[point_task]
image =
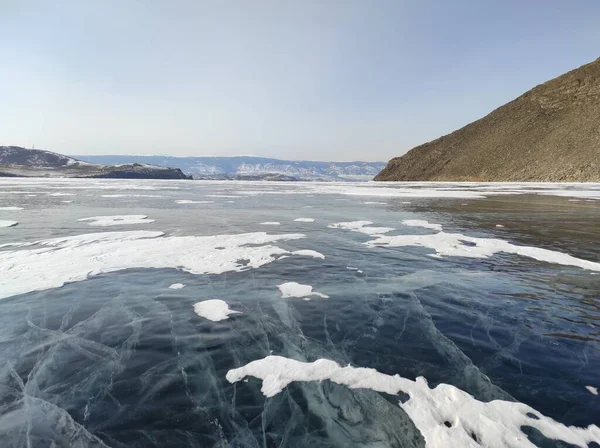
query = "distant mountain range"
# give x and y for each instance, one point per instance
(16, 161)
(252, 168)
(551, 133)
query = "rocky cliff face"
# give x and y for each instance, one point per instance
(21, 162)
(551, 133)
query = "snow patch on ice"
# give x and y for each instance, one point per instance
(304, 220)
(293, 289)
(592, 389)
(227, 196)
(116, 220)
(189, 201)
(445, 415)
(52, 263)
(5, 223)
(177, 286)
(309, 253)
(361, 226)
(214, 309)
(421, 223)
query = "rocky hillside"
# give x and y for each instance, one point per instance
(21, 162)
(254, 168)
(551, 133)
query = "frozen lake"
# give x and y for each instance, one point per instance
(186, 313)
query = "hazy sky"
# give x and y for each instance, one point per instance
(324, 80)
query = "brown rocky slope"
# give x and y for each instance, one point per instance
(551, 133)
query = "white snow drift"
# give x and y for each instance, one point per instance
(6, 223)
(459, 245)
(293, 289)
(214, 310)
(54, 262)
(496, 424)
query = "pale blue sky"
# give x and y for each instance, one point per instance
(323, 80)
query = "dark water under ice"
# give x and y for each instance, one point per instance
(120, 360)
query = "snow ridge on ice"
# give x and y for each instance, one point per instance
(445, 415)
(214, 309)
(459, 245)
(6, 223)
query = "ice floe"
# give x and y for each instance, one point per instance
(6, 223)
(177, 286)
(375, 203)
(421, 223)
(592, 389)
(270, 223)
(66, 202)
(293, 289)
(61, 194)
(304, 220)
(445, 415)
(116, 220)
(52, 263)
(214, 309)
(189, 201)
(10, 208)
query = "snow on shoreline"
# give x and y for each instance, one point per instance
(445, 415)
(52, 263)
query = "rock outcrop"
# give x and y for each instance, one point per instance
(551, 133)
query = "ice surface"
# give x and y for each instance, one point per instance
(177, 286)
(445, 415)
(189, 201)
(421, 223)
(116, 220)
(304, 220)
(5, 223)
(10, 208)
(52, 263)
(270, 223)
(214, 309)
(293, 289)
(592, 389)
